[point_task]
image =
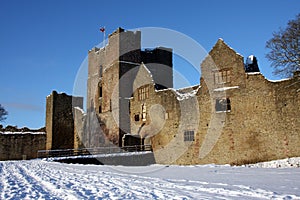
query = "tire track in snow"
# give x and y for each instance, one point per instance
(13, 184)
(69, 182)
(16, 186)
(105, 185)
(125, 186)
(92, 183)
(120, 186)
(55, 191)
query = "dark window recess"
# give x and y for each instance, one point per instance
(100, 91)
(101, 71)
(189, 136)
(100, 109)
(223, 105)
(110, 105)
(137, 117)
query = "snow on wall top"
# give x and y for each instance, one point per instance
(272, 81)
(80, 109)
(21, 133)
(280, 80)
(253, 73)
(225, 88)
(186, 93)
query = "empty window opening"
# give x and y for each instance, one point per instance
(143, 93)
(222, 76)
(110, 105)
(100, 91)
(101, 71)
(223, 105)
(100, 109)
(166, 115)
(144, 112)
(189, 136)
(137, 117)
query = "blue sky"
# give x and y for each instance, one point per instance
(43, 43)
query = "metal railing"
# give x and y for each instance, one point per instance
(92, 151)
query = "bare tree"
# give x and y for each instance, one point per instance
(284, 46)
(3, 113)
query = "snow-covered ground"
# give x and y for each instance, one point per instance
(38, 179)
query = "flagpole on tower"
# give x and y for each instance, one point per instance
(102, 29)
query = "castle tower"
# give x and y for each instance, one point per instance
(60, 121)
(111, 72)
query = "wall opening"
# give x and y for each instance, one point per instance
(100, 91)
(101, 71)
(189, 136)
(143, 93)
(222, 76)
(223, 105)
(144, 112)
(137, 117)
(110, 105)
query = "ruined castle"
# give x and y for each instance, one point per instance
(235, 115)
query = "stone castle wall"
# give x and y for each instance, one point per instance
(21, 145)
(261, 124)
(231, 117)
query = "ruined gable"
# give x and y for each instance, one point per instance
(143, 77)
(223, 67)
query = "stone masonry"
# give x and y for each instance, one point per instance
(18, 146)
(60, 120)
(21, 143)
(233, 116)
(257, 119)
(111, 72)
